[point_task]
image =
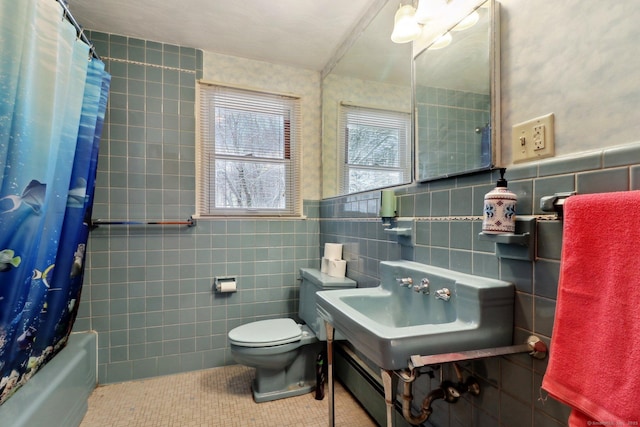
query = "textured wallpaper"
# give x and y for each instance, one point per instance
(573, 58)
(263, 76)
(577, 59)
(337, 89)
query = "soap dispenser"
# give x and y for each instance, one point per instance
(499, 214)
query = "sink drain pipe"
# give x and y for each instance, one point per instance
(448, 391)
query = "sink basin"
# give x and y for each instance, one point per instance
(390, 323)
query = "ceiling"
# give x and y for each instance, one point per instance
(373, 56)
(301, 33)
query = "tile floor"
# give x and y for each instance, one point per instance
(212, 397)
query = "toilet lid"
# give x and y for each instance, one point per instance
(265, 333)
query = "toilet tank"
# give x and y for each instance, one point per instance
(313, 281)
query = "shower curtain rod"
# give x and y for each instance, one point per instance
(79, 30)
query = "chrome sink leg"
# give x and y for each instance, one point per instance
(390, 383)
(330, 334)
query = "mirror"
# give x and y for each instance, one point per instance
(373, 75)
(456, 96)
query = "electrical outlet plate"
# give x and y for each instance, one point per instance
(533, 139)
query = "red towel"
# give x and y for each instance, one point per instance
(594, 363)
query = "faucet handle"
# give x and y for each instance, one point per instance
(444, 294)
(405, 281)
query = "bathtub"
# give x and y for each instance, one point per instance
(57, 394)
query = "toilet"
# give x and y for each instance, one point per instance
(282, 351)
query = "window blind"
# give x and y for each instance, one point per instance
(373, 148)
(248, 152)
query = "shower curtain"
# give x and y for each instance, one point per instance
(53, 97)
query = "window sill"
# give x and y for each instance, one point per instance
(249, 216)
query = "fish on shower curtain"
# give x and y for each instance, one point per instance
(52, 107)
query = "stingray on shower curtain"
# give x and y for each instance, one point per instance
(52, 106)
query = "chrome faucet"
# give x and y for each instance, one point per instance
(423, 286)
(405, 282)
(444, 294)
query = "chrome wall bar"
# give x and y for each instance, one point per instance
(555, 203)
(96, 222)
(79, 30)
(534, 346)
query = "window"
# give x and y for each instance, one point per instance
(247, 153)
(374, 145)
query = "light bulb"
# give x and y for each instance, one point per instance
(405, 28)
(429, 10)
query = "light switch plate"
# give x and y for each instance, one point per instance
(533, 139)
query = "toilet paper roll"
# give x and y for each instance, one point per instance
(333, 250)
(227, 286)
(324, 265)
(337, 268)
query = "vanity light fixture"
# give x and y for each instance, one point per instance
(405, 27)
(441, 42)
(428, 10)
(409, 21)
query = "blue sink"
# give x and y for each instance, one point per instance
(390, 323)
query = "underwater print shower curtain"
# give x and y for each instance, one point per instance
(53, 98)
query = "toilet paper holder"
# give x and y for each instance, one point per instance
(224, 284)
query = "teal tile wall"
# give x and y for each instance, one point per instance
(448, 120)
(148, 289)
(447, 216)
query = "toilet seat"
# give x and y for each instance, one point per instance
(266, 333)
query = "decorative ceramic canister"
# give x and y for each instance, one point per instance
(499, 214)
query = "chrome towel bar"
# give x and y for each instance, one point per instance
(97, 222)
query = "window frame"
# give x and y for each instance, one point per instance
(210, 96)
(373, 117)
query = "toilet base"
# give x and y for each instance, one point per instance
(291, 391)
(296, 379)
